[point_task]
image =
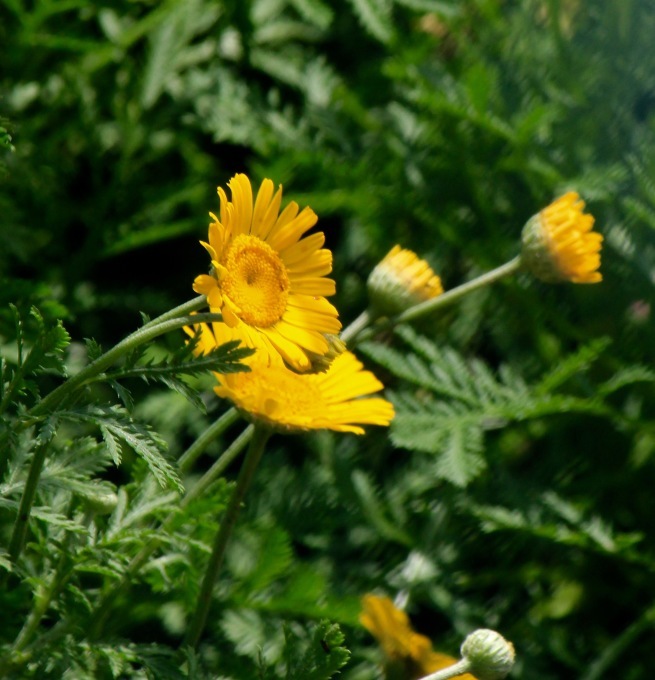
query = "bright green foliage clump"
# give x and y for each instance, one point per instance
(513, 490)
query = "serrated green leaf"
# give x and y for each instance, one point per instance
(374, 511)
(46, 354)
(324, 656)
(572, 365)
(116, 424)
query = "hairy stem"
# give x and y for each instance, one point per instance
(228, 521)
(455, 294)
(139, 337)
(189, 457)
(358, 325)
(19, 532)
(460, 668)
(358, 329)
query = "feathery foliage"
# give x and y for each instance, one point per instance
(514, 485)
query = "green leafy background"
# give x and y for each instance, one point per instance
(513, 490)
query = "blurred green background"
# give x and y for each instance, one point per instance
(439, 125)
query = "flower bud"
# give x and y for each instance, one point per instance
(558, 243)
(401, 280)
(490, 656)
(102, 502)
(321, 362)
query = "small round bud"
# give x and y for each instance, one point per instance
(102, 503)
(401, 280)
(490, 656)
(559, 244)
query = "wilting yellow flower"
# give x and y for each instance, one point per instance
(267, 281)
(401, 280)
(293, 402)
(559, 244)
(409, 652)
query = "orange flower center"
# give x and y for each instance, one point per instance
(255, 280)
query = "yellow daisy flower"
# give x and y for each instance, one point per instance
(293, 402)
(409, 653)
(401, 280)
(559, 244)
(267, 281)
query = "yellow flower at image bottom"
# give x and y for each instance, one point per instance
(409, 653)
(338, 399)
(266, 280)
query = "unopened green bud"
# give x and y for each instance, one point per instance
(490, 656)
(102, 503)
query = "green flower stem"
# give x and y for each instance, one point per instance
(181, 310)
(358, 325)
(433, 304)
(98, 616)
(189, 457)
(451, 296)
(460, 668)
(139, 337)
(219, 467)
(228, 521)
(27, 499)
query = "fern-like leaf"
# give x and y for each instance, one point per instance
(459, 399)
(46, 354)
(116, 426)
(223, 359)
(322, 658)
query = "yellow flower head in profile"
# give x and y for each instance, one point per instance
(409, 653)
(266, 279)
(291, 402)
(401, 280)
(559, 243)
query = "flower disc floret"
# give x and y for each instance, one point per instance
(559, 243)
(267, 279)
(255, 280)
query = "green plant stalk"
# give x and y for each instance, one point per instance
(221, 464)
(611, 654)
(460, 668)
(451, 296)
(357, 326)
(98, 616)
(78, 380)
(189, 457)
(181, 310)
(27, 499)
(433, 304)
(228, 521)
(139, 337)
